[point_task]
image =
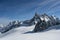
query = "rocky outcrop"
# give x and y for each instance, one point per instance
(46, 22)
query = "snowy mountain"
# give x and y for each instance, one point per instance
(41, 22)
(24, 30)
(25, 33)
(46, 21)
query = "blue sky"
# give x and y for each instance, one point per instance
(25, 9)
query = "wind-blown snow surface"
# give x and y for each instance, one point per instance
(23, 33)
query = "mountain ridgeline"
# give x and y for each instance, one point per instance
(41, 22)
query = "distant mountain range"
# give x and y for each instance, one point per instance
(42, 22)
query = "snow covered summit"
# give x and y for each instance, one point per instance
(41, 23)
(46, 21)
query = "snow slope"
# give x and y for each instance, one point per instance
(24, 33)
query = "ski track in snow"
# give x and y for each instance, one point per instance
(22, 33)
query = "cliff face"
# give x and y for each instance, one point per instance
(46, 22)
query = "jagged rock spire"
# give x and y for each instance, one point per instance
(47, 21)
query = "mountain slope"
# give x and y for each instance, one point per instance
(23, 33)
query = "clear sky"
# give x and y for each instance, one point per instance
(25, 9)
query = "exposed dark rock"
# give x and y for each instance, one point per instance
(46, 22)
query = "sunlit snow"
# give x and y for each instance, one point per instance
(24, 33)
